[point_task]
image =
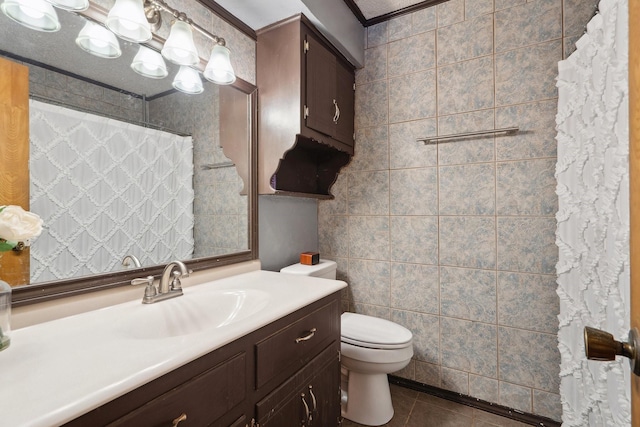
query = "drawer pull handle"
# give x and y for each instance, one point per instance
(179, 420)
(306, 410)
(307, 337)
(313, 401)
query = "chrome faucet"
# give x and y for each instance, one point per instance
(169, 286)
(131, 259)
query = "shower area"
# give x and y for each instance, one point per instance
(457, 240)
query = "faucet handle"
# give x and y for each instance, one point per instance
(175, 282)
(150, 291)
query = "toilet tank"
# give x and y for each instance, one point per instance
(325, 269)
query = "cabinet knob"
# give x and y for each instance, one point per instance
(307, 337)
(179, 420)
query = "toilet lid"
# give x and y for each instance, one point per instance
(373, 332)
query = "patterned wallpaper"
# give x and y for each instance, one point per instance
(456, 241)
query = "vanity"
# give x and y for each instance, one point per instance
(259, 348)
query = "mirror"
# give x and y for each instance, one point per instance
(220, 199)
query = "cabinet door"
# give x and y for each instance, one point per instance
(345, 97)
(320, 87)
(291, 414)
(310, 398)
(323, 396)
(314, 405)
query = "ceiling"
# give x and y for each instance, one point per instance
(259, 13)
(341, 21)
(378, 10)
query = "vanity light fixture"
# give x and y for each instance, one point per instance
(219, 69)
(188, 81)
(133, 20)
(35, 14)
(128, 21)
(71, 5)
(179, 47)
(149, 63)
(98, 41)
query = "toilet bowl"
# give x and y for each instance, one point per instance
(370, 349)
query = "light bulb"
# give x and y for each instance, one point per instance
(98, 41)
(219, 69)
(128, 21)
(179, 47)
(149, 63)
(35, 14)
(32, 13)
(188, 81)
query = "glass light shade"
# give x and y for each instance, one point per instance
(188, 81)
(98, 41)
(72, 5)
(179, 47)
(219, 69)
(35, 14)
(127, 20)
(149, 63)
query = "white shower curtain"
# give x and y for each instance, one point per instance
(593, 218)
(105, 189)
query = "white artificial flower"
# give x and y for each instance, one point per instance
(18, 225)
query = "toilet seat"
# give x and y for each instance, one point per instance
(373, 332)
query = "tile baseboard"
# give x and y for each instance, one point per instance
(493, 408)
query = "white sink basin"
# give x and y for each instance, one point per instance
(193, 313)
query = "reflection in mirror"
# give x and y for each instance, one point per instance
(135, 174)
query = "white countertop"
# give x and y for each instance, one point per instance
(56, 371)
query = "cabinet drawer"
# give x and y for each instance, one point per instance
(204, 399)
(287, 350)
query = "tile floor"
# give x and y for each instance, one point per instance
(415, 409)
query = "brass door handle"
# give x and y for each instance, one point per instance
(600, 345)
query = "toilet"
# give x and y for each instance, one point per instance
(370, 349)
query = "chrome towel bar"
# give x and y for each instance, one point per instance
(434, 139)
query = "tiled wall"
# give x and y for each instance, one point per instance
(221, 213)
(455, 241)
(70, 91)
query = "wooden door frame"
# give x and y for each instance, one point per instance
(14, 159)
(634, 187)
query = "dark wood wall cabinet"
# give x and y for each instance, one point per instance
(285, 374)
(306, 109)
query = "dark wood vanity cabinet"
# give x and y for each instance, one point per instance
(307, 103)
(284, 374)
